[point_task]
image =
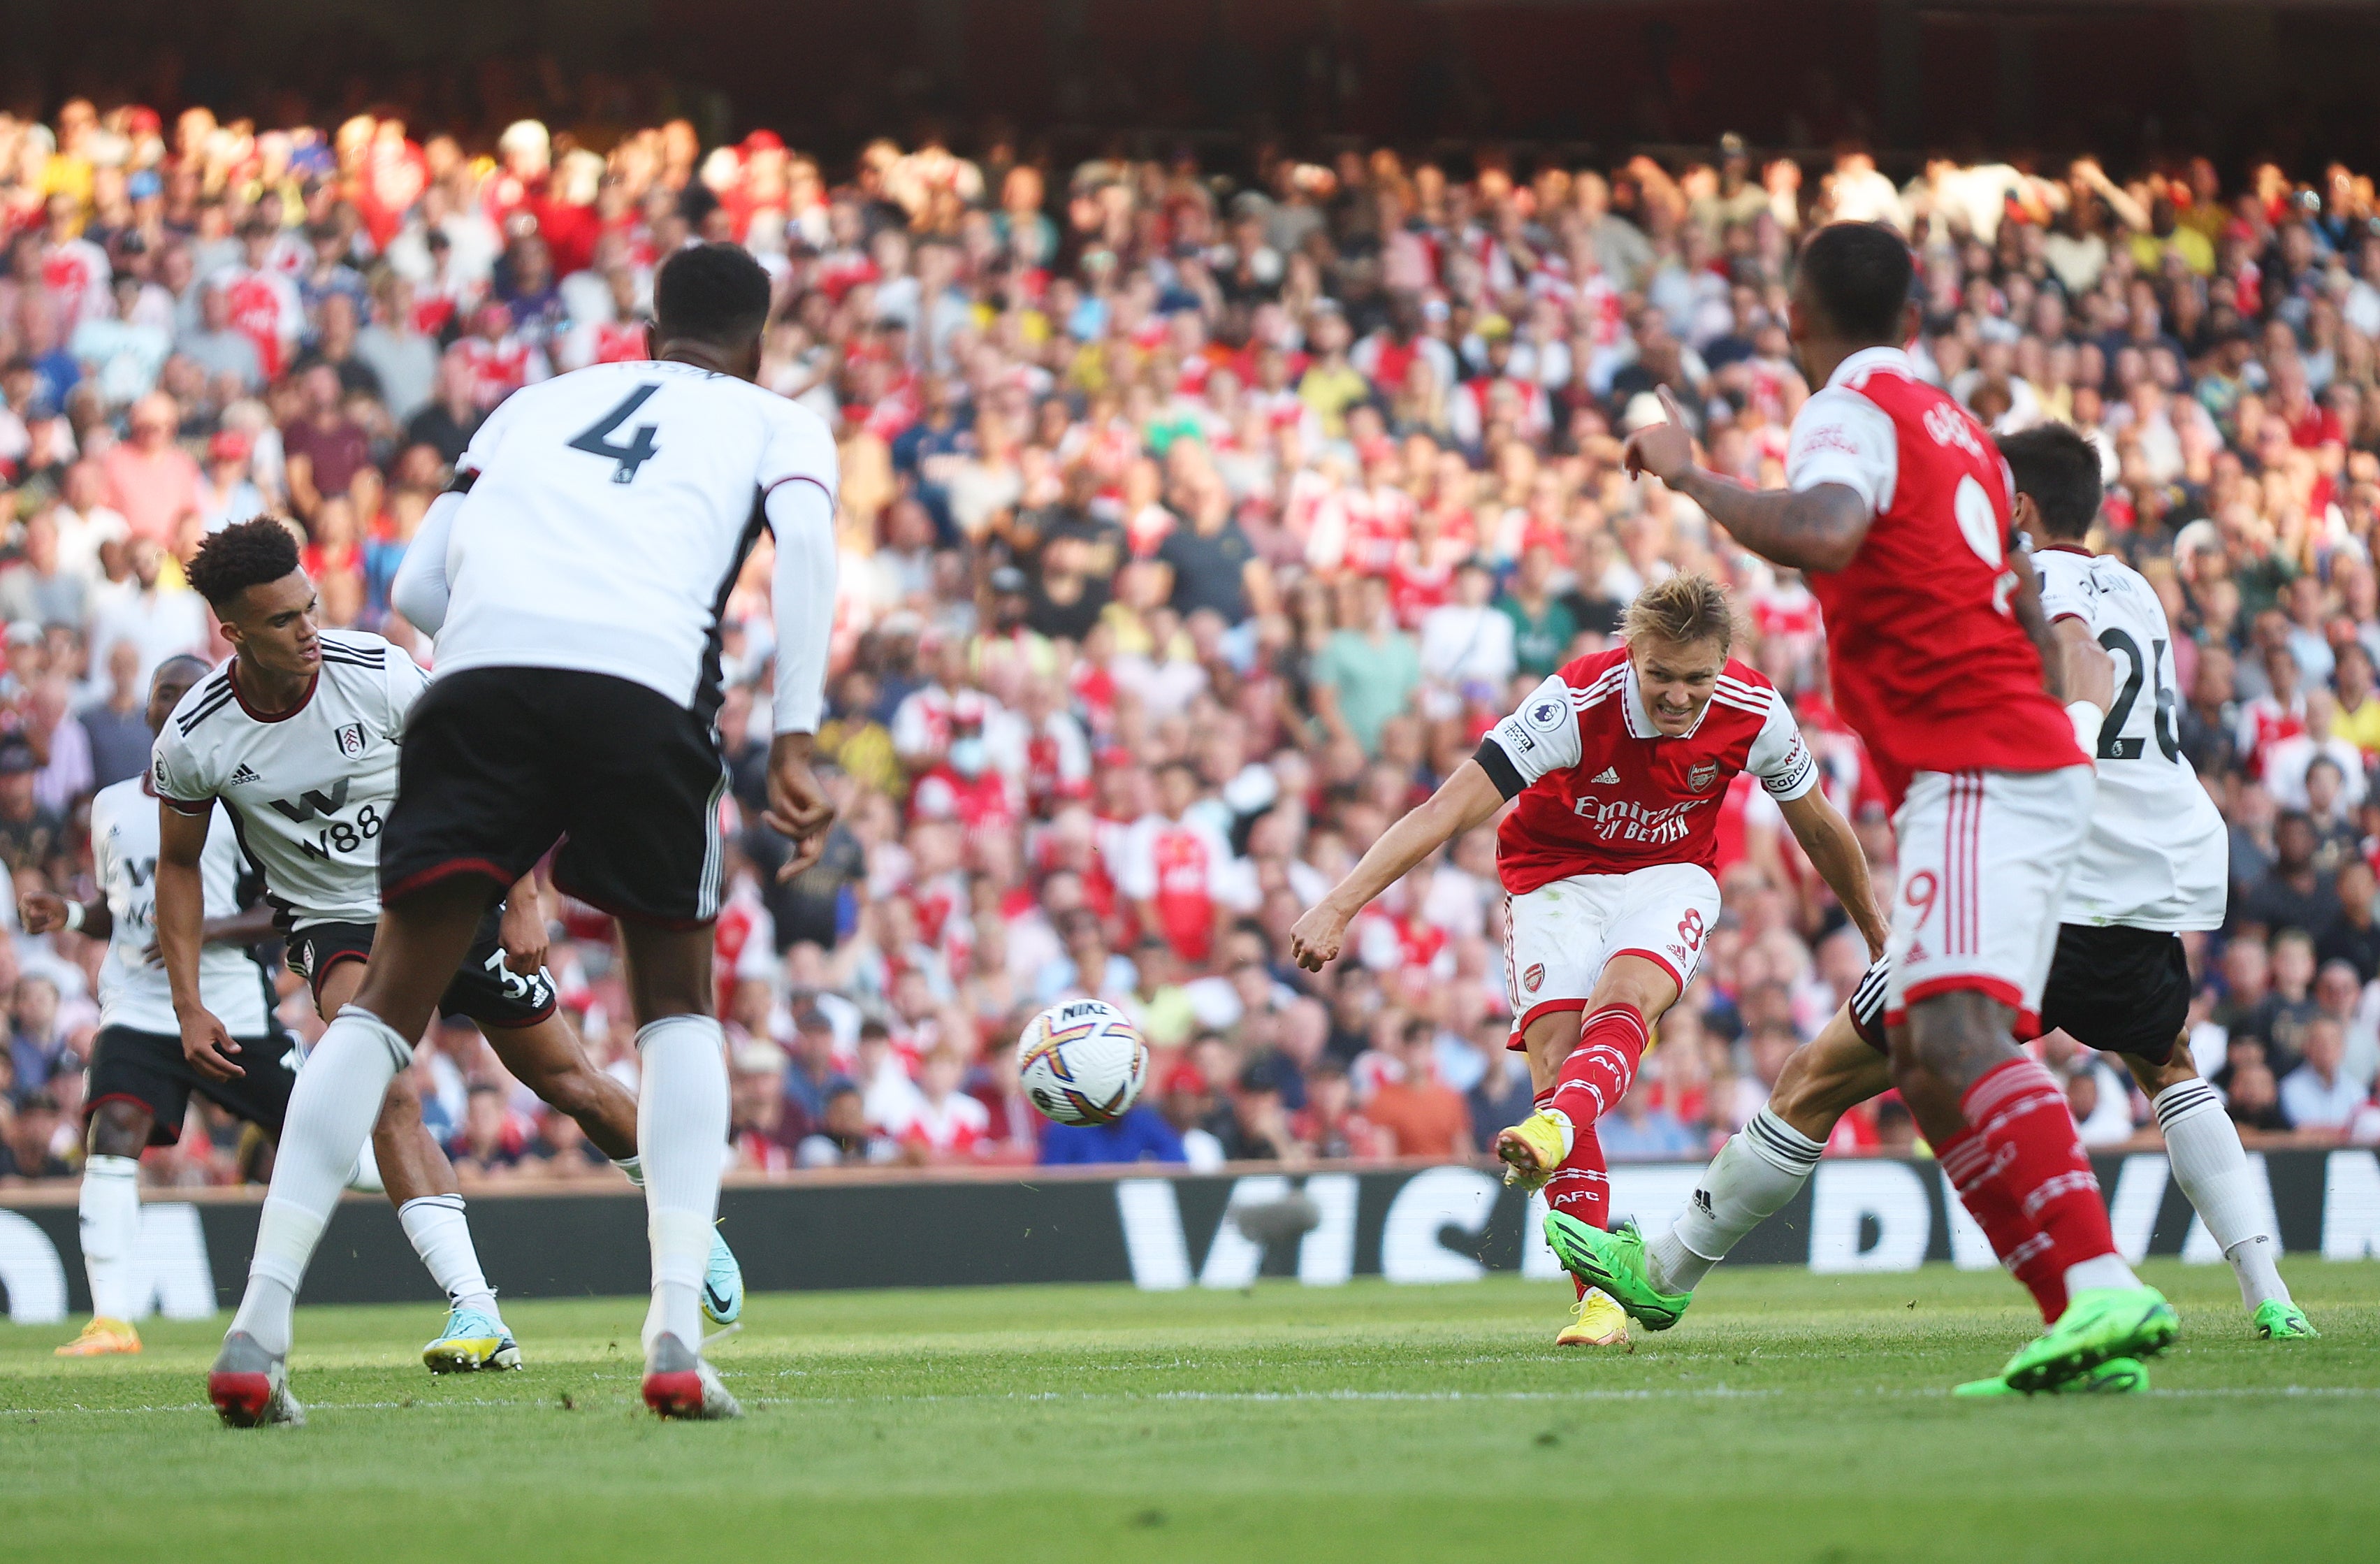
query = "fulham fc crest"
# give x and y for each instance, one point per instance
(351, 740)
(1701, 777)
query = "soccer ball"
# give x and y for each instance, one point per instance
(1083, 1063)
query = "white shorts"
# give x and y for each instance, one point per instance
(1984, 857)
(1558, 936)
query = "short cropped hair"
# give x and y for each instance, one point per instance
(1682, 610)
(247, 554)
(2060, 470)
(714, 294)
(1859, 274)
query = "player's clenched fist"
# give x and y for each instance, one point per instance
(1314, 939)
(39, 911)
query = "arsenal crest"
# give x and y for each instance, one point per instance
(1701, 777)
(1533, 977)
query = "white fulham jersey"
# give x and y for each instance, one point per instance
(606, 513)
(2158, 857)
(132, 988)
(307, 789)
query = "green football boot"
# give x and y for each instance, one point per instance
(2116, 1377)
(1615, 1262)
(2279, 1321)
(2100, 1324)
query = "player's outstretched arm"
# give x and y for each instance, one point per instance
(1835, 852)
(1816, 528)
(419, 591)
(522, 930)
(181, 931)
(1464, 800)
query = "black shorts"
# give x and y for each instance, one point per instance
(484, 990)
(499, 763)
(2124, 990)
(1867, 1005)
(148, 1068)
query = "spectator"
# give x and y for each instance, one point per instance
(117, 727)
(2319, 1094)
(158, 620)
(1420, 1117)
(39, 590)
(150, 481)
(2293, 893)
(1366, 672)
(1141, 1135)
(29, 1149)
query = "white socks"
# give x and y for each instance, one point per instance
(332, 1110)
(442, 1238)
(2108, 1270)
(2208, 1162)
(111, 1224)
(1753, 1177)
(681, 1137)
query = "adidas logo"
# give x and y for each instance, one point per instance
(245, 774)
(1611, 775)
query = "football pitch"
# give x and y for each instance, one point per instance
(1789, 1417)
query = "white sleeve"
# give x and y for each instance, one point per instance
(1541, 736)
(801, 515)
(180, 784)
(1780, 758)
(1841, 437)
(2065, 586)
(405, 683)
(420, 590)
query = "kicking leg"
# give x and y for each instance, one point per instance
(681, 1125)
(2212, 1167)
(419, 1179)
(109, 1207)
(332, 1110)
(1767, 1162)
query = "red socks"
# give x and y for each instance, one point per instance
(2021, 1171)
(1593, 1079)
(1596, 1075)
(1580, 1187)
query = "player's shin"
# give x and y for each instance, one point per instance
(2021, 1147)
(2213, 1169)
(110, 1209)
(1751, 1179)
(441, 1236)
(332, 1110)
(1596, 1075)
(681, 1128)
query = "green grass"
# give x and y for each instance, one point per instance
(1790, 1417)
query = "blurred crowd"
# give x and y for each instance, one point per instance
(1192, 529)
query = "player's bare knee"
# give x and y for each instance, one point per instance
(2157, 1078)
(119, 1129)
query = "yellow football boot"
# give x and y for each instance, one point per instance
(102, 1338)
(1596, 1321)
(1533, 1148)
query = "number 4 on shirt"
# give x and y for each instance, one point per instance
(596, 439)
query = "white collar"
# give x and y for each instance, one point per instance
(1868, 359)
(1640, 716)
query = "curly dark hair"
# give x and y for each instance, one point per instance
(245, 554)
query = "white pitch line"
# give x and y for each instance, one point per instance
(1719, 1392)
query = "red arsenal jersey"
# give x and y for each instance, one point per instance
(1929, 664)
(1601, 791)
